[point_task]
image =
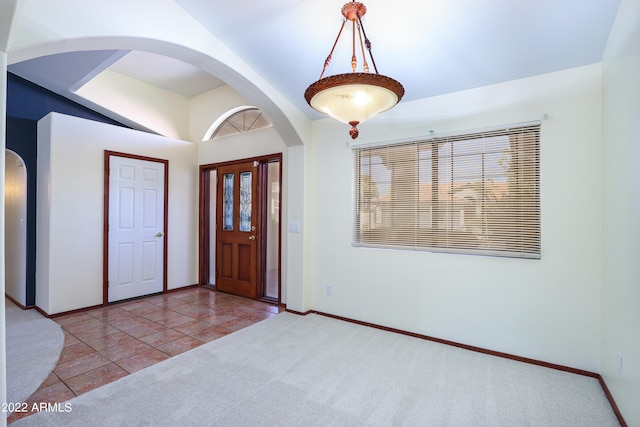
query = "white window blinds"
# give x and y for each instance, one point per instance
(474, 193)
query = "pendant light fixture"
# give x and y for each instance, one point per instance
(357, 96)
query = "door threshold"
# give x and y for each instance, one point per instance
(269, 300)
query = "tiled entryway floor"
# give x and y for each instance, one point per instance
(107, 343)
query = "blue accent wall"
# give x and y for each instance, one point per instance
(26, 100)
(26, 104)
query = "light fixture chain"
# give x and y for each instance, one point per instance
(365, 65)
(367, 43)
(328, 60)
(354, 61)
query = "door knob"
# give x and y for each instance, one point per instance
(160, 234)
(252, 237)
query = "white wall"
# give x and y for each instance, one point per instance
(158, 110)
(297, 261)
(259, 142)
(621, 210)
(70, 208)
(548, 309)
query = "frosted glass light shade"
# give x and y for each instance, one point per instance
(354, 97)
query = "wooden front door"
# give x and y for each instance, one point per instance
(237, 229)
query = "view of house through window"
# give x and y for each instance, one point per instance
(472, 193)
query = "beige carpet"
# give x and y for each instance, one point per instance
(317, 371)
(34, 344)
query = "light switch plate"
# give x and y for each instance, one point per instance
(294, 227)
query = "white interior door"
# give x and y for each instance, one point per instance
(136, 227)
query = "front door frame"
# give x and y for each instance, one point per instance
(105, 238)
(204, 213)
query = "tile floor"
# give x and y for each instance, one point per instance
(107, 343)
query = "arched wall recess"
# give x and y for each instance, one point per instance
(15, 199)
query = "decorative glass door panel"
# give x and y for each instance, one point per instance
(227, 200)
(245, 201)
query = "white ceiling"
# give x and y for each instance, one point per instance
(431, 47)
(166, 73)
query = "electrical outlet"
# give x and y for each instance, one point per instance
(619, 363)
(329, 289)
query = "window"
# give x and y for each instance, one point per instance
(476, 193)
(242, 121)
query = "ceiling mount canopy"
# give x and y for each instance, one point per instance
(357, 96)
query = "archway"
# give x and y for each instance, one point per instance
(289, 122)
(15, 199)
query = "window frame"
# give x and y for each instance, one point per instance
(514, 225)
